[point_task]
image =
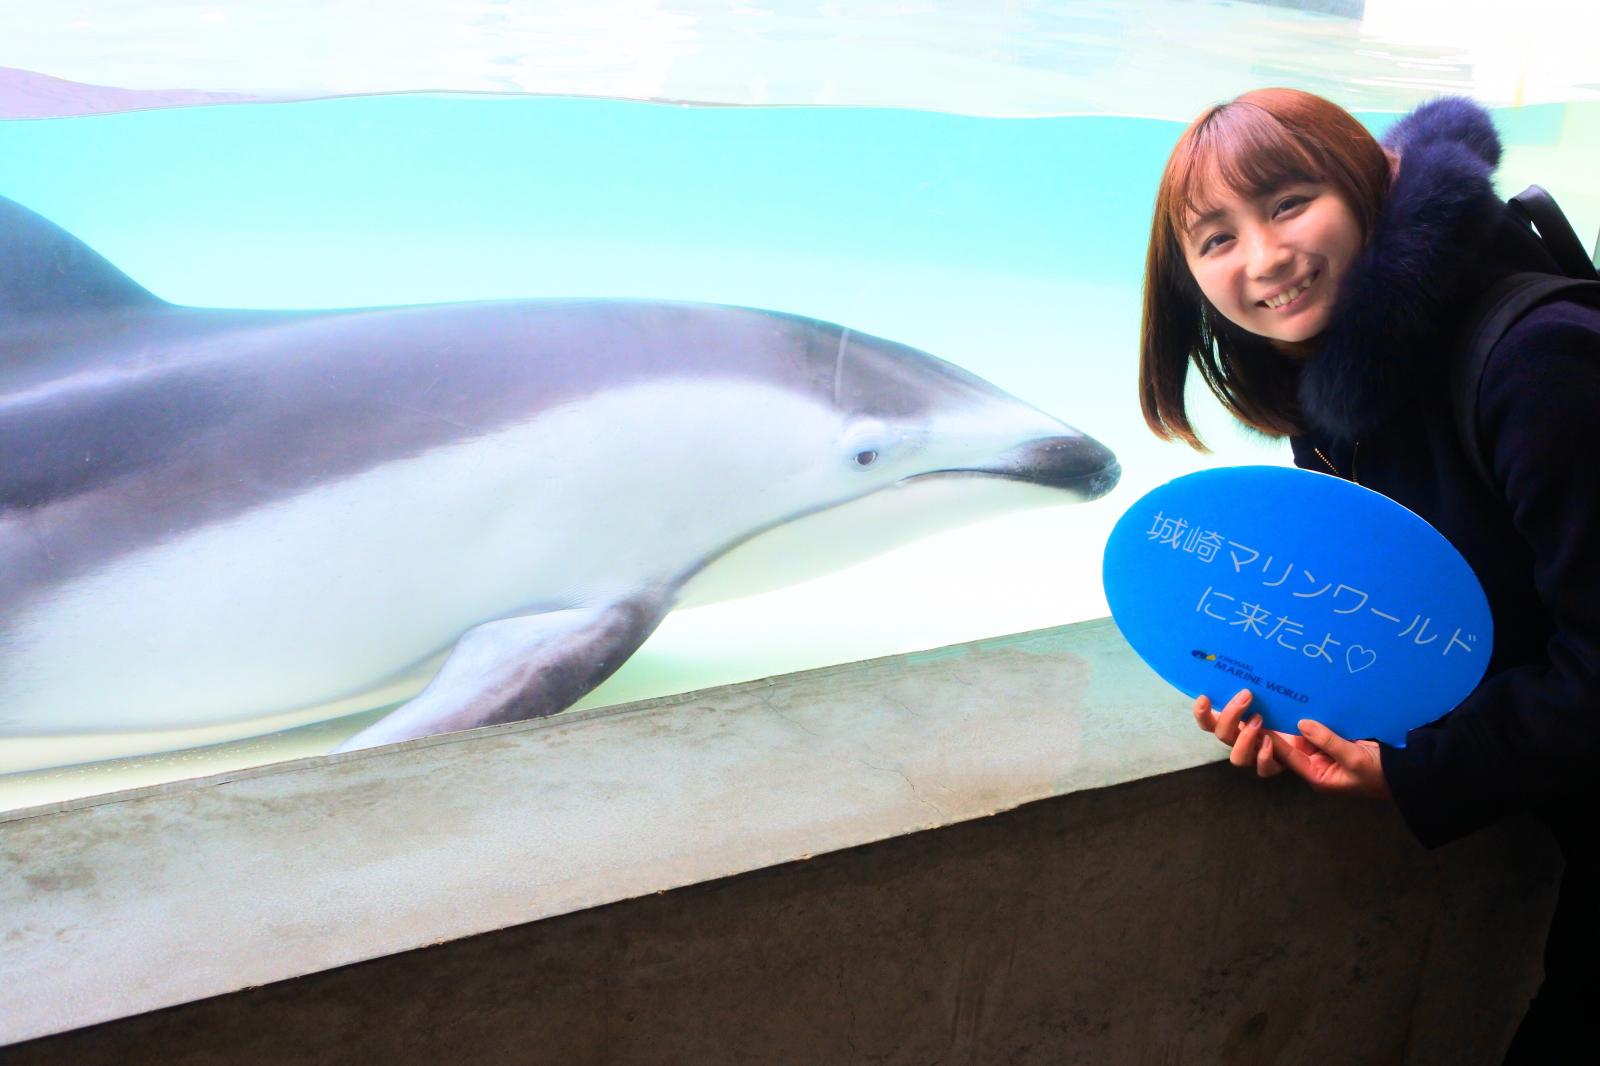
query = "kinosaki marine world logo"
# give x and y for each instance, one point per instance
(1245, 672)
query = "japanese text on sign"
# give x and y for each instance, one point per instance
(1244, 610)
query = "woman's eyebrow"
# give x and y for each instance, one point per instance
(1200, 220)
(1272, 188)
(1265, 191)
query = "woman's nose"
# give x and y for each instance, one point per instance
(1265, 255)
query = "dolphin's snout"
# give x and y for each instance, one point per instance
(1103, 482)
(1079, 465)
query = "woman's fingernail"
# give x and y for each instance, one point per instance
(1243, 697)
(1255, 723)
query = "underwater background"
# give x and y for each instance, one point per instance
(974, 180)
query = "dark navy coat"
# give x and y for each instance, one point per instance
(1375, 400)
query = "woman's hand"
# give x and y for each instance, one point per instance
(1326, 761)
(1330, 763)
(1251, 744)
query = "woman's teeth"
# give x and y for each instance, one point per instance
(1291, 295)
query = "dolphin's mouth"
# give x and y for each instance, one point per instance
(1080, 466)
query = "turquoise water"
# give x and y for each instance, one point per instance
(1013, 247)
(431, 197)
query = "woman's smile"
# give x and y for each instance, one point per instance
(1287, 299)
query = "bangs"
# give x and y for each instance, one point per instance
(1241, 149)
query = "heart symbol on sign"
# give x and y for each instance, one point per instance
(1358, 658)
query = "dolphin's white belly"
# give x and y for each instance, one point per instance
(331, 592)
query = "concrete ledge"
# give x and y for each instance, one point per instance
(1173, 918)
(122, 904)
(1196, 917)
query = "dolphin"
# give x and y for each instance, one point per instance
(223, 517)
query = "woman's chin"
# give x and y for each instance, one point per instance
(1303, 348)
(1298, 336)
(1296, 349)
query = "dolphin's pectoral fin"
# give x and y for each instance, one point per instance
(519, 668)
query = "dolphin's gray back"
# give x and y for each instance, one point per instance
(300, 396)
(129, 425)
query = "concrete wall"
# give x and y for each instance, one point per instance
(1198, 916)
(116, 905)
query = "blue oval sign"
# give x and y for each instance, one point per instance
(1325, 599)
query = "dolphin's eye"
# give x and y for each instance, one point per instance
(864, 445)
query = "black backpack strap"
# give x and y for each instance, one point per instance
(1497, 311)
(1538, 208)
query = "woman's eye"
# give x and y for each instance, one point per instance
(1289, 203)
(1213, 242)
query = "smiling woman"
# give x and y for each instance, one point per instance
(1320, 282)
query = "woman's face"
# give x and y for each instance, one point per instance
(1272, 264)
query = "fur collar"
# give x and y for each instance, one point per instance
(1400, 296)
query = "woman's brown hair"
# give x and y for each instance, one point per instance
(1251, 145)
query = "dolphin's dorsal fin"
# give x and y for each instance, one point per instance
(45, 270)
